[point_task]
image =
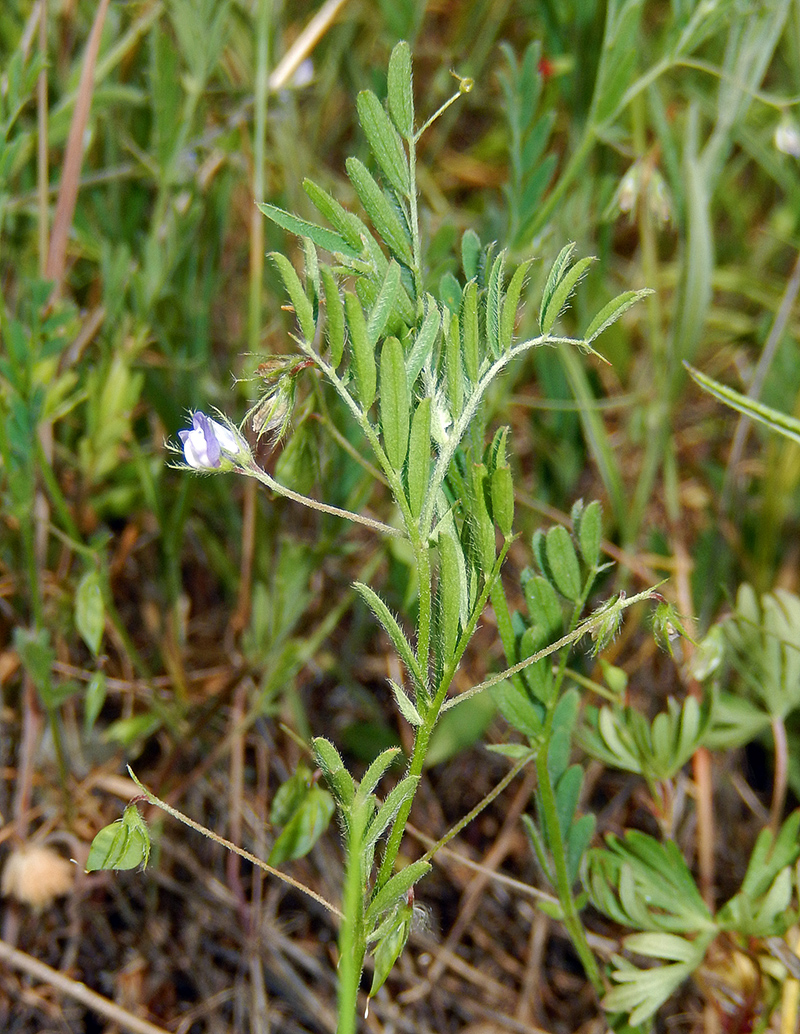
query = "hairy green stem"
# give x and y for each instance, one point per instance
(352, 937)
(461, 425)
(434, 709)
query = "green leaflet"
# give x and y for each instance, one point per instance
(451, 588)
(90, 614)
(303, 308)
(327, 239)
(469, 330)
(384, 217)
(363, 352)
(395, 402)
(347, 224)
(384, 305)
(389, 622)
(334, 308)
(419, 456)
(455, 377)
(587, 524)
(563, 563)
(304, 827)
(336, 775)
(401, 89)
(384, 141)
(610, 313)
(494, 304)
(511, 304)
(423, 344)
(396, 888)
(561, 292)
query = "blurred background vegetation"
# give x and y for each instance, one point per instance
(172, 622)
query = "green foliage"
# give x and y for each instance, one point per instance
(647, 886)
(125, 844)
(304, 810)
(90, 610)
(763, 643)
(530, 169)
(108, 554)
(657, 750)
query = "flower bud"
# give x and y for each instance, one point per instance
(608, 619)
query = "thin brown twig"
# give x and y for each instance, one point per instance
(247, 855)
(73, 155)
(114, 1013)
(701, 761)
(474, 891)
(305, 43)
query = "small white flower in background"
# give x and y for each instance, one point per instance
(36, 875)
(304, 74)
(628, 190)
(787, 138)
(208, 443)
(642, 182)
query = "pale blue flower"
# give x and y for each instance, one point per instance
(208, 443)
